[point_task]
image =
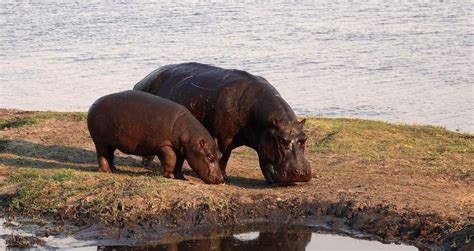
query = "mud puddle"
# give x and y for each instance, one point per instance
(25, 236)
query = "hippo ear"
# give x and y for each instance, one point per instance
(302, 122)
(202, 143)
(275, 123)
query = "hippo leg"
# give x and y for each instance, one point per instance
(110, 158)
(168, 160)
(225, 146)
(178, 169)
(223, 164)
(266, 167)
(102, 158)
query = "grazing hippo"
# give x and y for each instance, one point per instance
(143, 124)
(238, 109)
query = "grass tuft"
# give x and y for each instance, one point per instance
(24, 177)
(63, 176)
(17, 122)
(35, 118)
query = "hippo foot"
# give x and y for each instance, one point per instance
(270, 182)
(105, 170)
(179, 176)
(167, 175)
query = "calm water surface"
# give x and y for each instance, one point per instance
(400, 61)
(283, 238)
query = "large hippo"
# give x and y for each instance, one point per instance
(238, 108)
(143, 124)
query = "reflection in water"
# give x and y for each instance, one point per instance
(282, 239)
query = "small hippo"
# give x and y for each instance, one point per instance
(142, 124)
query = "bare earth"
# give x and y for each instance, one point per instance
(398, 196)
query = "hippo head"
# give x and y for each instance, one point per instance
(282, 148)
(203, 156)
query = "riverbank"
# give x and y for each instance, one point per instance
(397, 183)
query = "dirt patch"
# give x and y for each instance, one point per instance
(396, 182)
(20, 241)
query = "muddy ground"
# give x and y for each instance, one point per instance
(396, 183)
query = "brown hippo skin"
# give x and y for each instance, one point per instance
(238, 108)
(142, 124)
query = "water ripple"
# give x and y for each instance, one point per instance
(404, 62)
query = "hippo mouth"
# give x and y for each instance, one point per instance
(291, 176)
(212, 178)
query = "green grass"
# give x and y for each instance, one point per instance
(17, 122)
(48, 191)
(34, 118)
(380, 141)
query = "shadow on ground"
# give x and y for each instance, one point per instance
(26, 154)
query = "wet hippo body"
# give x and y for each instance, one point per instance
(238, 109)
(142, 124)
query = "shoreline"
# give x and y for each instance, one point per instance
(396, 183)
(304, 115)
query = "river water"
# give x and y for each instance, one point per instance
(398, 61)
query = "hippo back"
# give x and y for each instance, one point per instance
(221, 99)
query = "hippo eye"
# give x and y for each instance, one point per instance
(284, 141)
(210, 157)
